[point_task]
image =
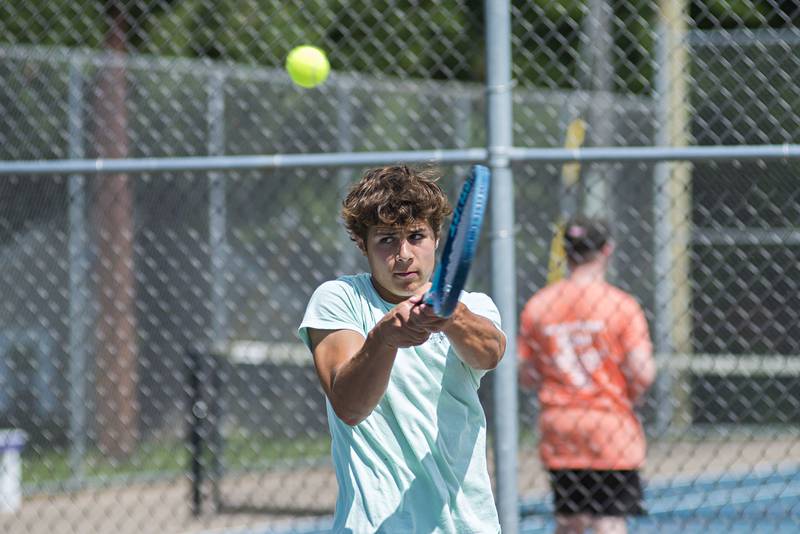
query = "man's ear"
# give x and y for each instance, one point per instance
(607, 249)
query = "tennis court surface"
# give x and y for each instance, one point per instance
(762, 503)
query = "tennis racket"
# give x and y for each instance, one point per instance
(462, 240)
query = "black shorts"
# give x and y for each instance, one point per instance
(599, 493)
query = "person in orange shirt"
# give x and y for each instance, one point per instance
(585, 347)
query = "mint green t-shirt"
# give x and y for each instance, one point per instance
(417, 463)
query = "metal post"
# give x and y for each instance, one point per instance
(78, 278)
(217, 212)
(198, 413)
(462, 127)
(597, 77)
(499, 123)
(218, 246)
(348, 253)
(672, 210)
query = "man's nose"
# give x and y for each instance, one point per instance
(404, 251)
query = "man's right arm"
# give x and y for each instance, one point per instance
(639, 366)
(639, 370)
(354, 372)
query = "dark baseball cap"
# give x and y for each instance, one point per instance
(584, 237)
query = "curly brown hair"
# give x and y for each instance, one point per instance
(396, 195)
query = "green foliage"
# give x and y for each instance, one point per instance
(439, 40)
(637, 40)
(52, 23)
(378, 36)
(261, 31)
(573, 9)
(731, 13)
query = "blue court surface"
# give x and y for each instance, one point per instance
(767, 503)
(751, 503)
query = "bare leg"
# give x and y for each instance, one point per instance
(609, 525)
(572, 524)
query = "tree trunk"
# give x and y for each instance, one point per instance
(116, 373)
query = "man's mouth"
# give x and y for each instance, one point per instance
(406, 275)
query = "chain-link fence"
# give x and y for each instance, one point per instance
(147, 340)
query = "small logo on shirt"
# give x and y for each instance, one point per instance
(439, 338)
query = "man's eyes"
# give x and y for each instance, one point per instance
(416, 236)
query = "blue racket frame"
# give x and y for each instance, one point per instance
(451, 273)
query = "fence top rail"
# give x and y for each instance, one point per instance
(657, 153)
(234, 163)
(208, 68)
(358, 159)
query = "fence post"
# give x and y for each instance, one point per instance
(78, 276)
(217, 209)
(500, 122)
(204, 435)
(348, 253)
(672, 212)
(198, 415)
(597, 78)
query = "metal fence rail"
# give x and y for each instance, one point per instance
(164, 187)
(785, 151)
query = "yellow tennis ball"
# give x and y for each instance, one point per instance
(308, 66)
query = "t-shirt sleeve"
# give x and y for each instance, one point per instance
(333, 306)
(635, 333)
(481, 304)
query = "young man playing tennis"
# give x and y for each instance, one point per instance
(584, 344)
(408, 432)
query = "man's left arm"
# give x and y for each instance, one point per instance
(476, 340)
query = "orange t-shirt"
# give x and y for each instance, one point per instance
(577, 336)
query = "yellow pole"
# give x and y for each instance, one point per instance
(673, 225)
